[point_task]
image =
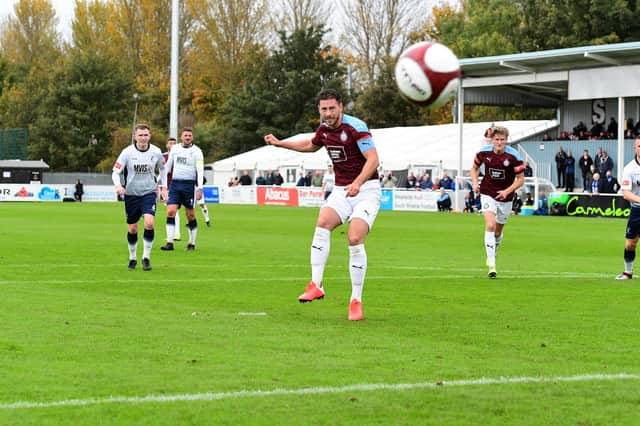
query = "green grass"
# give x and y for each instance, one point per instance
(75, 324)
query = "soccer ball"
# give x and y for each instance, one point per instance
(428, 74)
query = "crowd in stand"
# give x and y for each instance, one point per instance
(422, 182)
(598, 131)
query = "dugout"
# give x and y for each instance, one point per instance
(588, 84)
(19, 171)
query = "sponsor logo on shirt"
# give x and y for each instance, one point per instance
(496, 174)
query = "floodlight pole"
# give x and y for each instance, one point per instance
(136, 98)
(175, 54)
(459, 196)
(621, 121)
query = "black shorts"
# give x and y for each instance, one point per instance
(137, 205)
(182, 193)
(633, 224)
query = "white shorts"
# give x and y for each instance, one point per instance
(364, 206)
(502, 209)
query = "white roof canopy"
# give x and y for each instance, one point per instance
(399, 148)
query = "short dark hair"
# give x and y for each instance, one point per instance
(143, 126)
(329, 94)
(172, 139)
(187, 129)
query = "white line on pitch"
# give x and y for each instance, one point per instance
(213, 396)
(253, 314)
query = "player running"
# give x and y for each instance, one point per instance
(631, 192)
(138, 162)
(503, 175)
(355, 197)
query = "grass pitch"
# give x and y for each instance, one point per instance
(216, 336)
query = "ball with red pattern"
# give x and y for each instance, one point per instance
(428, 74)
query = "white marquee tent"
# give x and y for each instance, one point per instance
(399, 148)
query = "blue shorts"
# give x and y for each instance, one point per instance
(182, 193)
(137, 205)
(633, 224)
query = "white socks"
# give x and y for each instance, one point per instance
(490, 247)
(320, 246)
(357, 270)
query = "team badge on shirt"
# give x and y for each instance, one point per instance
(343, 136)
(506, 163)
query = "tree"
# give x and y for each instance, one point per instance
(30, 37)
(376, 29)
(88, 98)
(294, 15)
(227, 41)
(280, 96)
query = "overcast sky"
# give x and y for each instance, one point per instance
(64, 12)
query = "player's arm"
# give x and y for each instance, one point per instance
(118, 167)
(166, 169)
(475, 174)
(199, 174)
(304, 145)
(162, 176)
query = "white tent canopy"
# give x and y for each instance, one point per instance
(399, 148)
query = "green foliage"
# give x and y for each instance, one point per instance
(280, 97)
(89, 95)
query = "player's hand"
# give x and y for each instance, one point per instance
(198, 194)
(120, 190)
(352, 189)
(502, 195)
(164, 194)
(271, 140)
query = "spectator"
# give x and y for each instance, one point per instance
(316, 180)
(278, 180)
(595, 183)
(307, 178)
(609, 184)
(570, 172)
(612, 128)
(581, 127)
(444, 201)
(597, 159)
(445, 181)
(560, 159)
(268, 178)
(516, 206)
(585, 164)
(328, 181)
(436, 184)
(597, 129)
(606, 164)
(260, 180)
(528, 171)
(245, 179)
(468, 202)
(411, 182)
(529, 200)
(79, 191)
(389, 181)
(425, 181)
(546, 137)
(301, 181)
